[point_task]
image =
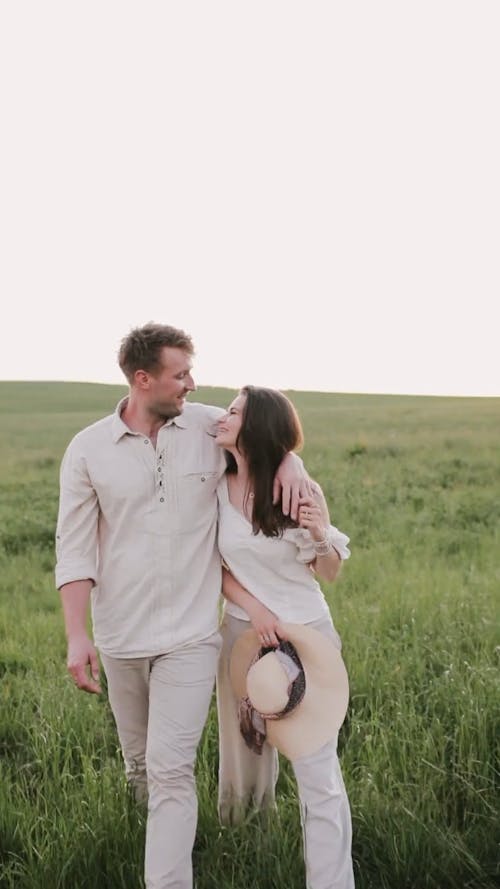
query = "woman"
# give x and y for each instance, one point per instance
(269, 581)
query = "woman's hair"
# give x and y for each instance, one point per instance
(270, 428)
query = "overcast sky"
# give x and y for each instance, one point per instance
(311, 189)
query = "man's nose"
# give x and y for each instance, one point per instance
(189, 383)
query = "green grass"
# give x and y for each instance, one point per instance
(416, 484)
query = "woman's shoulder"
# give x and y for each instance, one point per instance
(297, 535)
(317, 491)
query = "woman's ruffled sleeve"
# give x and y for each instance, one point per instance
(305, 544)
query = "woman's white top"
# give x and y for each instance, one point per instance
(274, 569)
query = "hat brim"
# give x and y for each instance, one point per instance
(318, 717)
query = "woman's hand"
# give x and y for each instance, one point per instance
(311, 517)
(266, 624)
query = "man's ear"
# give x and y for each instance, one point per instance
(141, 379)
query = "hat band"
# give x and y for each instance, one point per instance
(252, 722)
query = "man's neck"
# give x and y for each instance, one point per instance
(139, 419)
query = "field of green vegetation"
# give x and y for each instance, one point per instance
(415, 482)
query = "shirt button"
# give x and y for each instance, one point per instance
(146, 441)
(203, 478)
(162, 499)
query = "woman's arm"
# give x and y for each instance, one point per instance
(314, 515)
(265, 623)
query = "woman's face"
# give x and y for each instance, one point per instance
(229, 425)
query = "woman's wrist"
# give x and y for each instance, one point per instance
(319, 535)
(323, 547)
(323, 544)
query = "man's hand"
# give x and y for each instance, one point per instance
(82, 656)
(266, 625)
(293, 483)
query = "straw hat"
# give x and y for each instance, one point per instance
(258, 676)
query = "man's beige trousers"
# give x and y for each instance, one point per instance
(160, 705)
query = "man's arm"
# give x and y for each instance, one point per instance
(76, 568)
(82, 654)
(293, 483)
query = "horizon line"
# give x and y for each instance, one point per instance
(279, 388)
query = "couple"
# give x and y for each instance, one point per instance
(141, 492)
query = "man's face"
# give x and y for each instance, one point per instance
(169, 386)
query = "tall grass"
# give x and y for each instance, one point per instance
(416, 484)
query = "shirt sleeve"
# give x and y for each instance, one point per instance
(76, 533)
(305, 544)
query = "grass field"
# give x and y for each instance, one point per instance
(415, 482)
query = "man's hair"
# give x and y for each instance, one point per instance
(141, 348)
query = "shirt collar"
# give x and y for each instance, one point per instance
(119, 428)
(179, 421)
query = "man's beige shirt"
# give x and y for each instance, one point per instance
(141, 523)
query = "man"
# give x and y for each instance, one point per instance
(136, 533)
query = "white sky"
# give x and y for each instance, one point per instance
(311, 189)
